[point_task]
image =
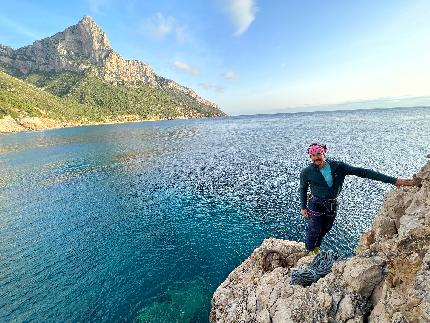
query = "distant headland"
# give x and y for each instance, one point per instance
(74, 77)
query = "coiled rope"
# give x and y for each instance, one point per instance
(319, 267)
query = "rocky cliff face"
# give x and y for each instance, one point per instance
(75, 49)
(85, 48)
(388, 280)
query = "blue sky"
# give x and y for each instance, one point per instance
(255, 56)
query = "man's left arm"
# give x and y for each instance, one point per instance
(371, 174)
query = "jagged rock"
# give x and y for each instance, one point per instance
(388, 280)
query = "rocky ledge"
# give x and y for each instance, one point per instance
(388, 280)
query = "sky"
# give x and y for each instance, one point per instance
(258, 56)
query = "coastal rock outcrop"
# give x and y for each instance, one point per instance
(388, 280)
(8, 124)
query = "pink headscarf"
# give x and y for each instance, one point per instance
(316, 149)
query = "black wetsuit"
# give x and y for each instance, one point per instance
(322, 207)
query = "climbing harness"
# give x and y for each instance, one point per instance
(319, 206)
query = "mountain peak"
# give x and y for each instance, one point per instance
(84, 50)
(89, 31)
(87, 20)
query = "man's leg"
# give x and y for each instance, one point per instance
(313, 232)
(326, 225)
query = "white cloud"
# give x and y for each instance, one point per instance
(186, 67)
(229, 75)
(182, 35)
(159, 26)
(241, 13)
(211, 87)
(97, 5)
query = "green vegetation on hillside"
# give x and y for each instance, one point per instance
(59, 84)
(116, 100)
(185, 100)
(69, 96)
(19, 99)
(121, 99)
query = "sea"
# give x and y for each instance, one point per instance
(141, 222)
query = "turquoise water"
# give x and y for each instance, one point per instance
(142, 221)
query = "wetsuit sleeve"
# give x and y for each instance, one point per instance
(303, 190)
(368, 173)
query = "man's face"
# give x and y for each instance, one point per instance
(318, 159)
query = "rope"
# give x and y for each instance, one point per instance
(319, 267)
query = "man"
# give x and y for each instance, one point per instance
(325, 179)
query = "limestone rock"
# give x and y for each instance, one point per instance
(388, 280)
(363, 274)
(9, 124)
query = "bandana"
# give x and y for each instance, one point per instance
(316, 149)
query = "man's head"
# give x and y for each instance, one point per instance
(317, 154)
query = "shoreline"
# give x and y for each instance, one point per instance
(9, 125)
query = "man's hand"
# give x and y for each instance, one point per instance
(404, 182)
(304, 212)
